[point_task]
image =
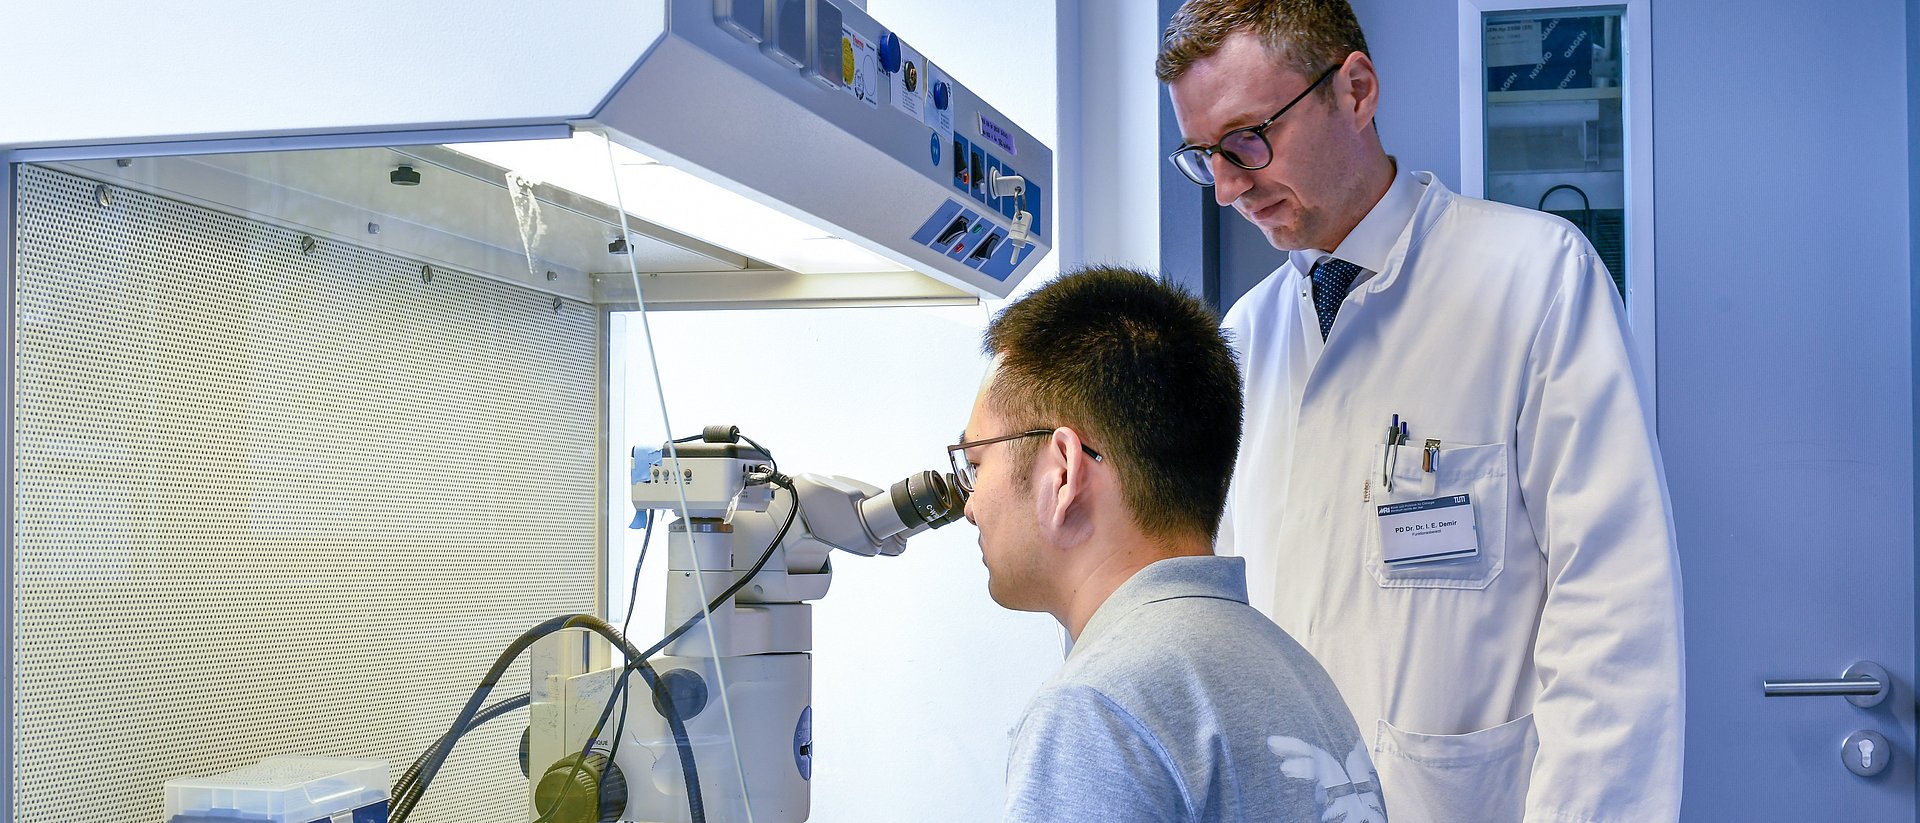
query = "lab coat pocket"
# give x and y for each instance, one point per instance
(1480, 472)
(1478, 777)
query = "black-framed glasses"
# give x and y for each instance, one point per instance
(963, 469)
(1244, 147)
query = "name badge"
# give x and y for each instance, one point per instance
(1428, 531)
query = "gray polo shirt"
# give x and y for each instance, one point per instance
(1181, 702)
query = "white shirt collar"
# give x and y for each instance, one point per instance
(1372, 241)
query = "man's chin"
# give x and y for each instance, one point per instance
(1283, 238)
(1010, 600)
(999, 596)
(1288, 235)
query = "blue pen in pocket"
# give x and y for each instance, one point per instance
(1390, 461)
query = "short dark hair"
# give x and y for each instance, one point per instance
(1312, 35)
(1143, 370)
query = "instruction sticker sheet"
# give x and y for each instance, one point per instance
(860, 67)
(910, 84)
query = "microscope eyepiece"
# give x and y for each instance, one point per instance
(920, 501)
(923, 498)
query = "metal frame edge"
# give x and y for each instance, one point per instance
(350, 140)
(9, 194)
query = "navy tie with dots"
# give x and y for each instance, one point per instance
(1331, 279)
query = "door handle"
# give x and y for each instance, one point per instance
(1864, 684)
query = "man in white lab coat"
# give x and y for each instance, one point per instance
(1448, 489)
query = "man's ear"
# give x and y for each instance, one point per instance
(1358, 89)
(1064, 475)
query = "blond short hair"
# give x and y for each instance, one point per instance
(1311, 35)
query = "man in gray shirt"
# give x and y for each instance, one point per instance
(1096, 463)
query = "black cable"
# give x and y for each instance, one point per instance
(435, 755)
(405, 784)
(696, 805)
(620, 728)
(633, 592)
(782, 481)
(438, 754)
(621, 688)
(404, 808)
(779, 480)
(763, 449)
(774, 464)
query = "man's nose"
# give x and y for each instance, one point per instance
(1229, 181)
(969, 512)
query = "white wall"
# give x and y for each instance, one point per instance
(918, 676)
(1110, 139)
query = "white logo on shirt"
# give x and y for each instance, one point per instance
(1346, 793)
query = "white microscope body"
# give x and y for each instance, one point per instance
(757, 643)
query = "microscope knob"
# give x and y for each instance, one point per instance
(613, 794)
(582, 790)
(681, 690)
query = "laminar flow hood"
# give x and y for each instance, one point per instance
(746, 153)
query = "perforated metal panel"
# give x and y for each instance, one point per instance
(272, 501)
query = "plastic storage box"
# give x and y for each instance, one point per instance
(284, 789)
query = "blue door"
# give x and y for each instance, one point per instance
(1786, 391)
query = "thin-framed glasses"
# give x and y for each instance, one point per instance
(963, 469)
(1244, 147)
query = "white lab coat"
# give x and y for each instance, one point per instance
(1541, 680)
